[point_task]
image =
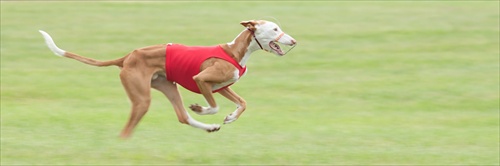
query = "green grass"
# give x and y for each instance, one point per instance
(404, 83)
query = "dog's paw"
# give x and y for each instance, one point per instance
(213, 128)
(196, 108)
(203, 110)
(230, 118)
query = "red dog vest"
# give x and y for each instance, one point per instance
(183, 62)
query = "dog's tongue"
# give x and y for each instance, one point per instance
(280, 51)
(277, 48)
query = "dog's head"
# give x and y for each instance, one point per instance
(270, 37)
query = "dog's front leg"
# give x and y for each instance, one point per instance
(205, 80)
(241, 104)
(170, 90)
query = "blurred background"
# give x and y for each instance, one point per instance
(370, 82)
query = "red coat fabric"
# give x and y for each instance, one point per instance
(183, 62)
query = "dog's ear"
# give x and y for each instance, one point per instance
(249, 24)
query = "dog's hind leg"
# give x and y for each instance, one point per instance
(138, 87)
(169, 89)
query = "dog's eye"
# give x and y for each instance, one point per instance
(275, 29)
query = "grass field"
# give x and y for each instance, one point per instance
(370, 83)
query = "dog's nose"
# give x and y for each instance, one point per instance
(294, 42)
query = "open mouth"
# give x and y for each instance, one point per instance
(281, 49)
(276, 47)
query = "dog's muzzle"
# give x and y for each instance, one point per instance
(281, 48)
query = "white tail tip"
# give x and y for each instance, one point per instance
(50, 43)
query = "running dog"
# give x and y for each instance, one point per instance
(200, 69)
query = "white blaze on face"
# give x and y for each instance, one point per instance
(273, 39)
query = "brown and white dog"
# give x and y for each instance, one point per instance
(146, 68)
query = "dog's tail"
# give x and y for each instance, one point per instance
(59, 52)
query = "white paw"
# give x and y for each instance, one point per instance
(200, 110)
(230, 118)
(210, 110)
(213, 128)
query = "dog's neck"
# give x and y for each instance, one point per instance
(241, 47)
